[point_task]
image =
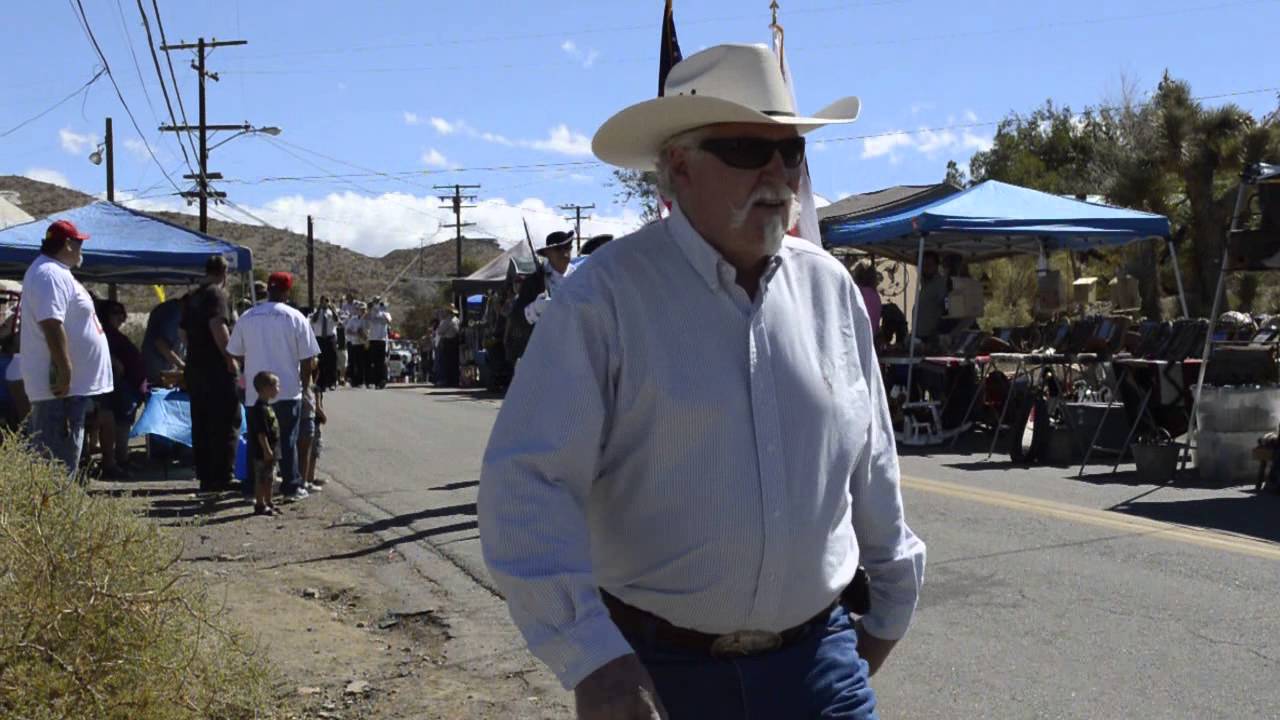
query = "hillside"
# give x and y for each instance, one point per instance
(338, 269)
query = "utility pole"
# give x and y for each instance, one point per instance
(455, 201)
(203, 176)
(109, 148)
(311, 264)
(577, 220)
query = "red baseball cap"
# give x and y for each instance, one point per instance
(280, 281)
(64, 230)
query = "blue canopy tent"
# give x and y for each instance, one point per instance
(990, 220)
(994, 219)
(125, 246)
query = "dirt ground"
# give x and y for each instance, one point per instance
(352, 629)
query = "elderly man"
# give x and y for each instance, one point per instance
(273, 336)
(696, 453)
(65, 358)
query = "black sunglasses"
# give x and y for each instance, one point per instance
(748, 153)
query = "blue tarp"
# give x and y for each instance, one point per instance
(125, 246)
(993, 219)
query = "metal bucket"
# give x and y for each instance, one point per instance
(1156, 463)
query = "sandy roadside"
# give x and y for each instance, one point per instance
(356, 620)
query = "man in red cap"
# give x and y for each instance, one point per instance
(275, 337)
(65, 356)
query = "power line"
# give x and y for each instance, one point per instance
(558, 34)
(55, 106)
(128, 36)
(155, 58)
(177, 91)
(84, 21)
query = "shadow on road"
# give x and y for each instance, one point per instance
(469, 525)
(1252, 515)
(409, 518)
(461, 485)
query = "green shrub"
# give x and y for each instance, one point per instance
(98, 620)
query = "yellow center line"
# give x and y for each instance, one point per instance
(1110, 519)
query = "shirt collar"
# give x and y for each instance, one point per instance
(704, 258)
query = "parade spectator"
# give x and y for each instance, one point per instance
(264, 441)
(274, 337)
(19, 404)
(309, 432)
(355, 332)
(116, 409)
(449, 348)
(65, 358)
(696, 453)
(932, 299)
(324, 323)
(867, 279)
(162, 348)
(378, 328)
(210, 378)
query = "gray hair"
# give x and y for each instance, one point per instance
(687, 141)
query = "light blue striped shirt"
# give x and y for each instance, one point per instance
(722, 463)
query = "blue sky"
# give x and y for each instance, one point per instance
(396, 86)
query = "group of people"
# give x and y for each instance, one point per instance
(361, 330)
(77, 371)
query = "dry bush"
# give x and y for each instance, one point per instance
(98, 621)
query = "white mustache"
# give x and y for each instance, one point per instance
(764, 193)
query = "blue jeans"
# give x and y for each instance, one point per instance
(818, 676)
(57, 428)
(287, 414)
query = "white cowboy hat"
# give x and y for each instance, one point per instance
(722, 84)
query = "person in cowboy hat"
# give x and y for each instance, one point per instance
(536, 292)
(696, 454)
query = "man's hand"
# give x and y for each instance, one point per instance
(231, 365)
(268, 457)
(619, 690)
(61, 384)
(873, 649)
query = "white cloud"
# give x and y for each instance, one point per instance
(75, 143)
(586, 57)
(564, 141)
(881, 145)
(560, 139)
(136, 148)
(411, 118)
(926, 141)
(433, 158)
(47, 176)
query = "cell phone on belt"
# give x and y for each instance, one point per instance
(856, 597)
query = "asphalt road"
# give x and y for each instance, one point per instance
(1046, 596)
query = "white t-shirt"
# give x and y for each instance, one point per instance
(376, 323)
(13, 372)
(49, 291)
(352, 329)
(324, 322)
(273, 336)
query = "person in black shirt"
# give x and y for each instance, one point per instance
(210, 377)
(264, 439)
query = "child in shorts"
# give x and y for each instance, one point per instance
(264, 441)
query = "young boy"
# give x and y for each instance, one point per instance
(264, 438)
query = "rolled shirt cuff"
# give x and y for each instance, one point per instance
(582, 649)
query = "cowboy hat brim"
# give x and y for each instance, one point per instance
(632, 137)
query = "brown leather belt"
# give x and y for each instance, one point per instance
(634, 621)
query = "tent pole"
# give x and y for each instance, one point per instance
(1177, 275)
(915, 318)
(1192, 425)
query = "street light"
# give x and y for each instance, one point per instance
(246, 130)
(95, 157)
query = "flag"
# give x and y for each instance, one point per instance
(807, 225)
(669, 54)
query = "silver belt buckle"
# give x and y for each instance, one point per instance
(745, 642)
